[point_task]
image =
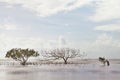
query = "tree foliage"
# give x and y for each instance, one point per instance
(21, 55)
(63, 53)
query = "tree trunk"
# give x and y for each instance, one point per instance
(23, 63)
(65, 61)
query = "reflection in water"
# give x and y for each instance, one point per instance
(19, 72)
(57, 72)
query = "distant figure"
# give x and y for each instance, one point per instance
(104, 61)
(108, 63)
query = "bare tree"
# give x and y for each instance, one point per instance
(63, 53)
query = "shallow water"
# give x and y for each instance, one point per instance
(61, 72)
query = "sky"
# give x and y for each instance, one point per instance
(93, 26)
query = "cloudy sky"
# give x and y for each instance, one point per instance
(91, 25)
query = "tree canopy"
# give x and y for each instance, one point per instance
(21, 55)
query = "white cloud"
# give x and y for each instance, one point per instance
(62, 40)
(104, 45)
(9, 42)
(104, 40)
(106, 10)
(57, 43)
(48, 7)
(110, 27)
(8, 26)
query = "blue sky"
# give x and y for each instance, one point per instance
(93, 26)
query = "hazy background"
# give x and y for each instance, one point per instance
(91, 25)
